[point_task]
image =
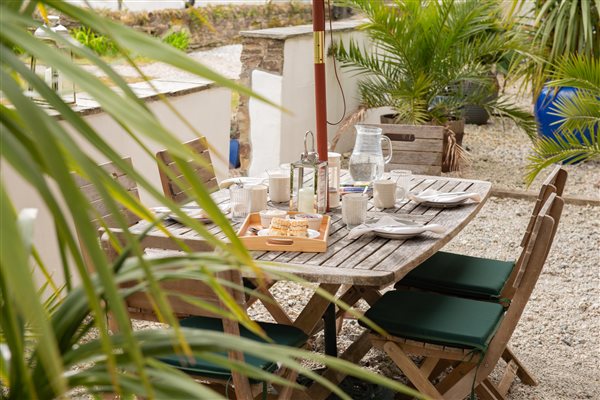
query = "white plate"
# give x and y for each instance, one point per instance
(399, 232)
(439, 203)
(192, 212)
(241, 180)
(311, 234)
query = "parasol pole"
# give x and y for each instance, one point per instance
(320, 93)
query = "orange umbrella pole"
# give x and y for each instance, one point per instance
(320, 93)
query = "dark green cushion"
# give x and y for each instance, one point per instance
(437, 318)
(280, 334)
(460, 275)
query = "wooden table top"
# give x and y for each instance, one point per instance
(369, 260)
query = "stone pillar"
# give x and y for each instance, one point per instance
(261, 53)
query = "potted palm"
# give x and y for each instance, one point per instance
(576, 137)
(426, 55)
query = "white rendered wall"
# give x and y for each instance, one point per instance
(271, 147)
(265, 123)
(299, 92)
(207, 110)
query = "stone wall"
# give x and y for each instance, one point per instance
(212, 25)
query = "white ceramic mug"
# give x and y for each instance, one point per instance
(279, 185)
(258, 197)
(384, 193)
(354, 209)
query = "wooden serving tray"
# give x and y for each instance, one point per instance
(282, 243)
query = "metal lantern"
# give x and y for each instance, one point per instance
(52, 77)
(308, 179)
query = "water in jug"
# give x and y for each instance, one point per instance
(367, 161)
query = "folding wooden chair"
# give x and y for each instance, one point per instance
(102, 217)
(140, 304)
(466, 335)
(476, 277)
(178, 189)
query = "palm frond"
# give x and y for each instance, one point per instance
(568, 147)
(425, 51)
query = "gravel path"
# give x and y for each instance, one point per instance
(498, 153)
(225, 60)
(557, 337)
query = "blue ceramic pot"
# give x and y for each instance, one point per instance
(545, 107)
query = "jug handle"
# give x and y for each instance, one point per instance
(389, 142)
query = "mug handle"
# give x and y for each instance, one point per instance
(389, 142)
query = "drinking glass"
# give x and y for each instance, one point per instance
(402, 178)
(239, 200)
(354, 209)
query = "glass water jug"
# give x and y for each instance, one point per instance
(367, 161)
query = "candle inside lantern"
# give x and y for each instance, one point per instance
(306, 200)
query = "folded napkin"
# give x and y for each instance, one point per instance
(434, 196)
(399, 227)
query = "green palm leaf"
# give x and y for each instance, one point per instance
(576, 137)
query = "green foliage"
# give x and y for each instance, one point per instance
(560, 28)
(426, 53)
(180, 40)
(579, 114)
(46, 350)
(99, 44)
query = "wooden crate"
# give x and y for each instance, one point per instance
(416, 148)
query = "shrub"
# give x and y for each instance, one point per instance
(180, 40)
(100, 44)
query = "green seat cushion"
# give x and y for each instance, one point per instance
(460, 275)
(437, 318)
(280, 334)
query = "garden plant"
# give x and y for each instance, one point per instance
(54, 338)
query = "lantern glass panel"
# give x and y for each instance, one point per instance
(308, 187)
(49, 74)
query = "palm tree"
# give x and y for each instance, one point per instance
(576, 138)
(45, 347)
(426, 53)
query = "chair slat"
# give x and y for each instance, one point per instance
(175, 185)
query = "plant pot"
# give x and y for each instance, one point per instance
(474, 113)
(545, 107)
(453, 137)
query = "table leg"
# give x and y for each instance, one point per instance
(314, 310)
(330, 331)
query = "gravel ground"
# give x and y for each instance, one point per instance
(557, 337)
(498, 153)
(225, 60)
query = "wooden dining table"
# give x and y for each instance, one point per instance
(359, 267)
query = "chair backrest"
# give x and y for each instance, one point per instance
(416, 148)
(101, 213)
(536, 253)
(178, 189)
(555, 182)
(141, 306)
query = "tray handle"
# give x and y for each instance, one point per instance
(280, 242)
